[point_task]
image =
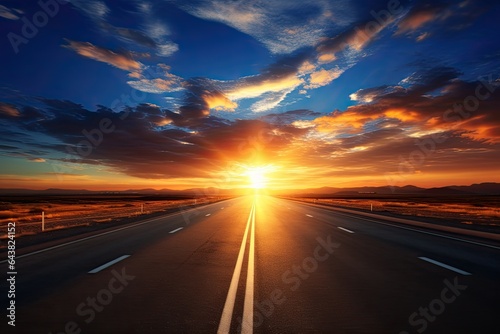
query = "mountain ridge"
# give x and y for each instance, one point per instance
(486, 188)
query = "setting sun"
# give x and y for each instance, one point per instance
(257, 176)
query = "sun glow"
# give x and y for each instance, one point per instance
(257, 176)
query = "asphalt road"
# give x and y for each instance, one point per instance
(258, 265)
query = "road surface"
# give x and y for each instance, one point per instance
(258, 264)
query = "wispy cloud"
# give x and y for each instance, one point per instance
(154, 33)
(423, 36)
(154, 36)
(157, 85)
(271, 100)
(10, 13)
(282, 26)
(252, 87)
(156, 79)
(129, 35)
(426, 18)
(37, 160)
(357, 37)
(421, 15)
(167, 49)
(122, 61)
(150, 79)
(94, 9)
(9, 110)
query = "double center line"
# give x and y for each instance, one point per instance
(227, 313)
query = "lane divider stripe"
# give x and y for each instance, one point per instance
(109, 264)
(176, 230)
(437, 263)
(247, 324)
(344, 229)
(227, 313)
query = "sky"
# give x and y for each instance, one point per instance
(115, 95)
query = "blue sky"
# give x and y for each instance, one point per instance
(337, 92)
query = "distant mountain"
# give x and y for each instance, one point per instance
(446, 191)
(66, 191)
(195, 192)
(411, 188)
(50, 191)
(489, 188)
(475, 189)
(385, 190)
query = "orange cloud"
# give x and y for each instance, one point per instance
(417, 18)
(323, 77)
(9, 110)
(403, 115)
(121, 61)
(326, 58)
(352, 121)
(356, 38)
(480, 128)
(365, 35)
(135, 75)
(306, 67)
(218, 101)
(416, 21)
(343, 122)
(163, 122)
(251, 89)
(37, 159)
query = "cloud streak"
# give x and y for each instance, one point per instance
(122, 61)
(9, 110)
(10, 13)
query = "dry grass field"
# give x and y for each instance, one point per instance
(481, 211)
(67, 211)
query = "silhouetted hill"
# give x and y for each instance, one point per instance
(327, 191)
(445, 191)
(475, 189)
(489, 188)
